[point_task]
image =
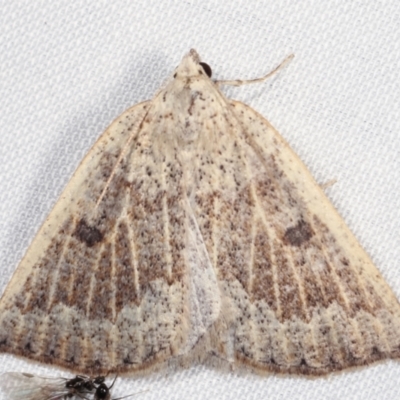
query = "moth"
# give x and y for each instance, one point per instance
(191, 232)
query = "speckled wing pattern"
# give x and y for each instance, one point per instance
(299, 293)
(192, 228)
(123, 285)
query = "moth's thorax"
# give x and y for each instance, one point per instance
(189, 103)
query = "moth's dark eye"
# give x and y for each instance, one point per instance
(207, 69)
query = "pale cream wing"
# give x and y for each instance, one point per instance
(299, 294)
(123, 284)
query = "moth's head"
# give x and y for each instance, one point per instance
(191, 65)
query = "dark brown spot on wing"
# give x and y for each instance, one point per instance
(299, 234)
(88, 234)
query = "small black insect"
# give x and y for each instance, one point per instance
(82, 385)
(32, 387)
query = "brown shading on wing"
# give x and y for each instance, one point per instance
(105, 289)
(300, 294)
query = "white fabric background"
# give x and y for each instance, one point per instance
(67, 69)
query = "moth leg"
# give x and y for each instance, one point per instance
(328, 184)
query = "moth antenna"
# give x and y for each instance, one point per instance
(240, 82)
